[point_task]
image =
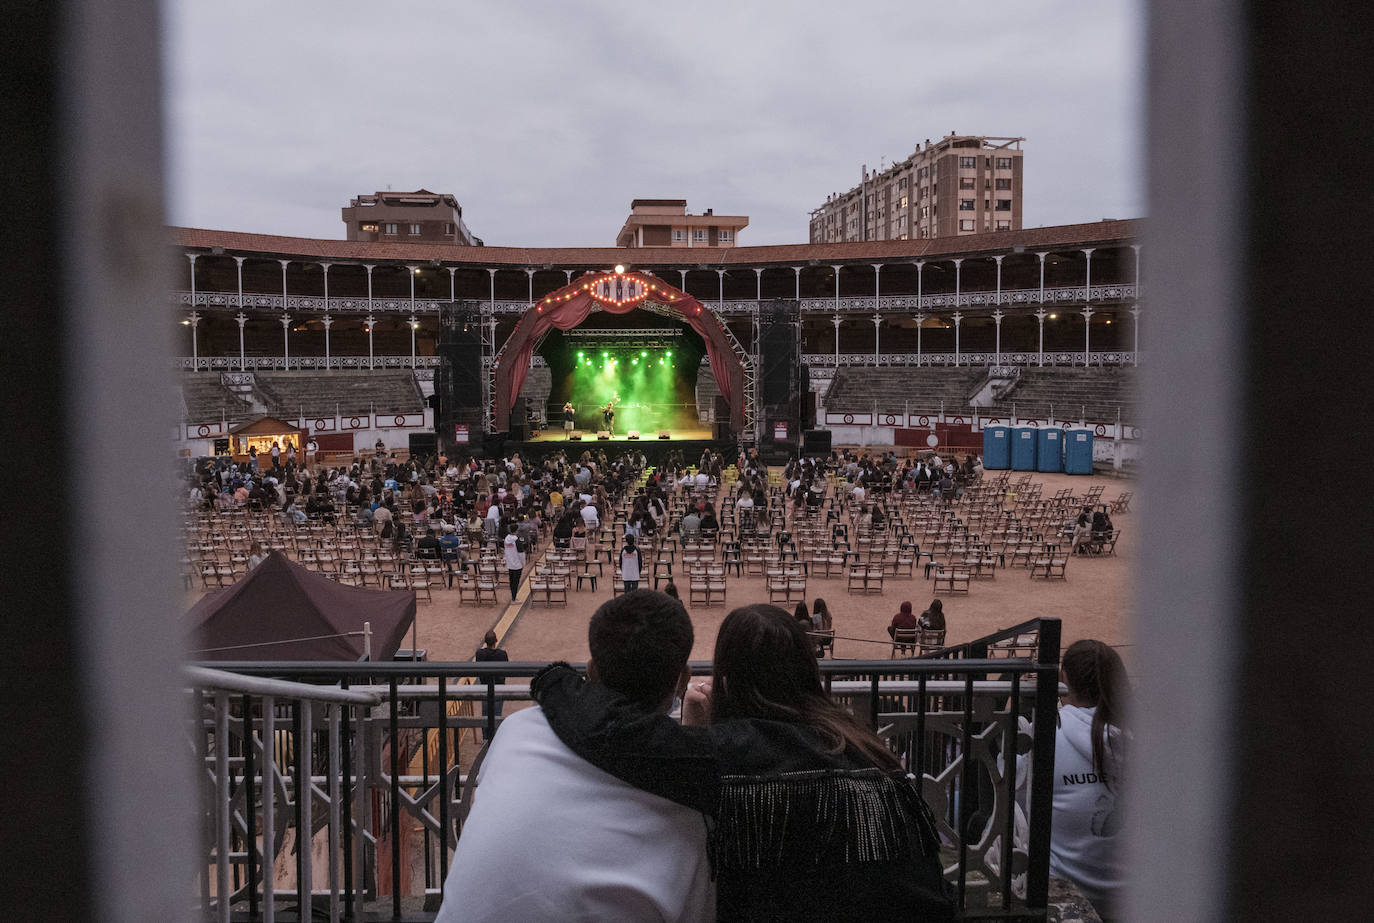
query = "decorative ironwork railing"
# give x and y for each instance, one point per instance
(846, 304)
(1022, 359)
(304, 363)
(378, 748)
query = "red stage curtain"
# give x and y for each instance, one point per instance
(558, 310)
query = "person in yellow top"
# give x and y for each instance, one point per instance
(556, 498)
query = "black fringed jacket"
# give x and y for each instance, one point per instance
(796, 833)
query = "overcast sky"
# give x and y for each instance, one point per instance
(545, 118)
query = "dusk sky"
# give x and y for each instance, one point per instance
(546, 119)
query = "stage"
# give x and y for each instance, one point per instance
(689, 444)
(677, 435)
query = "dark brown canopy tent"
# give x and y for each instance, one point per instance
(281, 611)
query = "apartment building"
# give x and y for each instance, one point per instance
(667, 223)
(960, 184)
(417, 217)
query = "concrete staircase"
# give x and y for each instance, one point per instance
(854, 390)
(1095, 394)
(286, 394)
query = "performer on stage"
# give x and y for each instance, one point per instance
(608, 412)
(568, 417)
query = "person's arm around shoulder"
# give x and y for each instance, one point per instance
(648, 750)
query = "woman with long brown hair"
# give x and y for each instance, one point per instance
(812, 815)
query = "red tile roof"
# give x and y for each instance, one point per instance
(1059, 237)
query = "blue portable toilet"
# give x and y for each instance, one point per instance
(996, 447)
(1078, 450)
(1049, 449)
(1022, 448)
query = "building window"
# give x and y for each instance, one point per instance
(966, 224)
(1004, 225)
(725, 237)
(925, 211)
(968, 163)
(904, 201)
(698, 235)
(372, 228)
(965, 205)
(679, 235)
(1004, 205)
(414, 230)
(923, 173)
(1004, 184)
(448, 230)
(901, 184)
(390, 229)
(1004, 163)
(966, 182)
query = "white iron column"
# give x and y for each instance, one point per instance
(1040, 315)
(877, 322)
(529, 282)
(796, 293)
(1087, 313)
(491, 287)
(920, 319)
(238, 260)
(242, 319)
(1088, 275)
(326, 266)
(877, 308)
(1136, 248)
(451, 285)
(682, 273)
(284, 306)
(720, 286)
(567, 275)
(193, 321)
(286, 339)
(1042, 256)
(370, 322)
(192, 258)
(758, 284)
(836, 321)
(1135, 323)
(414, 326)
(920, 271)
(413, 271)
(997, 319)
(999, 278)
(958, 319)
(328, 322)
(958, 281)
(837, 288)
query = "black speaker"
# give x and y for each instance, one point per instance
(423, 444)
(462, 366)
(779, 351)
(722, 408)
(722, 428)
(816, 442)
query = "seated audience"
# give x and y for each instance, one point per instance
(904, 620)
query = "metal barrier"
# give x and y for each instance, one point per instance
(380, 750)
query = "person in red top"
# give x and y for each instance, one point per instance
(903, 619)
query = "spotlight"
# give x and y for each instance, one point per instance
(669, 354)
(619, 269)
(579, 354)
(636, 361)
(643, 353)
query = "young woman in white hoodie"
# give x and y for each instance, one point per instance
(1089, 770)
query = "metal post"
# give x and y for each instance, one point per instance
(920, 319)
(720, 286)
(1042, 256)
(242, 319)
(797, 290)
(1040, 316)
(1135, 325)
(877, 322)
(958, 319)
(193, 321)
(284, 264)
(328, 322)
(192, 257)
(370, 322)
(999, 277)
(958, 281)
(836, 321)
(491, 287)
(1087, 324)
(758, 284)
(1088, 277)
(286, 339)
(414, 325)
(997, 319)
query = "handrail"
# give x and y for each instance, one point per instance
(208, 678)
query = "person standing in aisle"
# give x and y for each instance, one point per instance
(515, 560)
(631, 563)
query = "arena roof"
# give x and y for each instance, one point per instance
(1059, 237)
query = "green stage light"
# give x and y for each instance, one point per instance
(643, 354)
(660, 362)
(579, 354)
(669, 354)
(634, 362)
(605, 355)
